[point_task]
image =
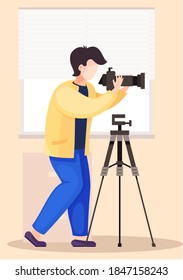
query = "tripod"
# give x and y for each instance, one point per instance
(120, 135)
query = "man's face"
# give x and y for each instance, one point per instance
(88, 71)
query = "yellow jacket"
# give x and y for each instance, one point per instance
(65, 106)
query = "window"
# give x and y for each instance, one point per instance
(48, 36)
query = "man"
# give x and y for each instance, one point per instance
(70, 112)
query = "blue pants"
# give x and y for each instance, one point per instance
(72, 194)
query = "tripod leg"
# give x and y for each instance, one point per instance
(108, 156)
(119, 173)
(145, 212)
(95, 207)
(131, 157)
(119, 243)
(103, 173)
(135, 173)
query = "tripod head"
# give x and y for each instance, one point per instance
(117, 120)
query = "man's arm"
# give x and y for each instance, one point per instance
(76, 105)
(121, 93)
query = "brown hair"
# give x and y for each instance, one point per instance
(82, 54)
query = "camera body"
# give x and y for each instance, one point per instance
(107, 80)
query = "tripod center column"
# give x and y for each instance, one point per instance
(119, 169)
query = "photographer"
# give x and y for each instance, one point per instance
(70, 112)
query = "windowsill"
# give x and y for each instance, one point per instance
(92, 136)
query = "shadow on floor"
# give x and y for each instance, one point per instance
(104, 244)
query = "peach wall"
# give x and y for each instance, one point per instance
(158, 159)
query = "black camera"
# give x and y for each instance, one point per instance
(107, 80)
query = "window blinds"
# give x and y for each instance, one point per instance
(48, 36)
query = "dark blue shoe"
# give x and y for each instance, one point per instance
(29, 236)
(83, 243)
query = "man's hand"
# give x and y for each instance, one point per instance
(117, 84)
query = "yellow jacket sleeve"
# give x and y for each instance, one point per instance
(120, 95)
(76, 105)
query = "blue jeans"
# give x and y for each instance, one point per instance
(73, 194)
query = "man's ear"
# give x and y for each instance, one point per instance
(80, 67)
